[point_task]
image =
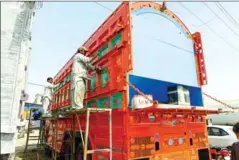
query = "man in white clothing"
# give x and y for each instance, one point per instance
(47, 96)
(81, 65)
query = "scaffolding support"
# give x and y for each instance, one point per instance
(86, 151)
(75, 117)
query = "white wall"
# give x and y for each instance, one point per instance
(15, 43)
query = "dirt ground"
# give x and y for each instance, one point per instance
(32, 152)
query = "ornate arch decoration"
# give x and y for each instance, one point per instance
(138, 8)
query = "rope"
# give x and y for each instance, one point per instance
(70, 135)
(156, 102)
(227, 105)
(140, 92)
(82, 139)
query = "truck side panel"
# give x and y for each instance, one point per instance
(112, 43)
(98, 133)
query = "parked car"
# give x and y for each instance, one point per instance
(221, 136)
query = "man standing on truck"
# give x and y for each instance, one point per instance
(81, 65)
(47, 97)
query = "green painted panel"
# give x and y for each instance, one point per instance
(115, 40)
(92, 104)
(103, 51)
(72, 94)
(116, 100)
(56, 88)
(103, 102)
(93, 82)
(64, 81)
(67, 109)
(61, 84)
(104, 77)
(69, 77)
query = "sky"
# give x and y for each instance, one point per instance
(60, 28)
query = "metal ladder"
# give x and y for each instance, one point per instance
(39, 138)
(85, 144)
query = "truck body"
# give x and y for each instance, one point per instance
(159, 131)
(16, 25)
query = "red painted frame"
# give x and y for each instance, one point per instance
(201, 68)
(117, 60)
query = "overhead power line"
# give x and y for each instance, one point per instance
(104, 6)
(210, 28)
(220, 19)
(231, 45)
(35, 84)
(152, 37)
(227, 14)
(214, 17)
(168, 43)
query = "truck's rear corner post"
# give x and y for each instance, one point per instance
(86, 134)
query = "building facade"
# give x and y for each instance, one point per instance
(16, 27)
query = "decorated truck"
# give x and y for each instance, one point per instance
(152, 91)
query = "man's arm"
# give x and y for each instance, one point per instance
(53, 85)
(90, 66)
(86, 60)
(56, 85)
(82, 58)
(92, 59)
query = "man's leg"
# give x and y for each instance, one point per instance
(49, 106)
(72, 98)
(45, 105)
(48, 103)
(79, 94)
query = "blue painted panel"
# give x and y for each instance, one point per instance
(158, 89)
(28, 106)
(162, 51)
